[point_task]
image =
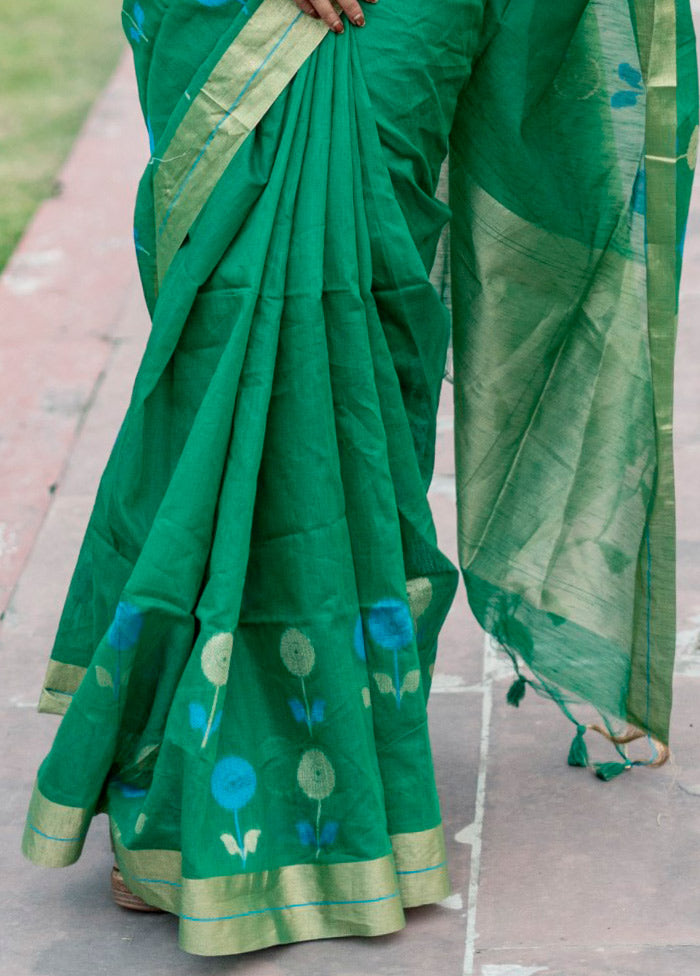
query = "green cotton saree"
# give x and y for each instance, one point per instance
(245, 655)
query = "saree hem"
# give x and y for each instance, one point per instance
(54, 834)
(294, 903)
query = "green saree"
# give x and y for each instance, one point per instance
(245, 655)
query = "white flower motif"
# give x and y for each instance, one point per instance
(216, 658)
(297, 653)
(316, 775)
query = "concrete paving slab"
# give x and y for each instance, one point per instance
(636, 960)
(570, 859)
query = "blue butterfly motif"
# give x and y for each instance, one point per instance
(298, 710)
(198, 716)
(137, 19)
(329, 833)
(318, 710)
(306, 833)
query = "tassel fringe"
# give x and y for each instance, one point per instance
(516, 692)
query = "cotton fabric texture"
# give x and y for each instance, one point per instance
(246, 651)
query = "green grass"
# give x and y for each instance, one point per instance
(55, 57)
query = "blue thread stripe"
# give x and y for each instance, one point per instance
(218, 125)
(175, 884)
(61, 840)
(434, 867)
(284, 908)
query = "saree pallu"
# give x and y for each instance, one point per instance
(245, 655)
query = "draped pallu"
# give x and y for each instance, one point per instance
(245, 655)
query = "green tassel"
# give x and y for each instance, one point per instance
(578, 753)
(609, 770)
(516, 692)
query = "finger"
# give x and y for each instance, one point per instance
(307, 7)
(327, 12)
(353, 11)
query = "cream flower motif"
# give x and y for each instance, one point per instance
(299, 658)
(216, 658)
(316, 775)
(297, 653)
(215, 661)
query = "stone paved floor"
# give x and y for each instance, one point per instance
(554, 873)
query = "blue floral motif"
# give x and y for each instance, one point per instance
(390, 624)
(233, 783)
(233, 786)
(358, 639)
(199, 721)
(126, 627)
(122, 635)
(627, 97)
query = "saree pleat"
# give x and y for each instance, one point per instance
(245, 655)
(252, 624)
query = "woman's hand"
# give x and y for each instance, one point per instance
(324, 10)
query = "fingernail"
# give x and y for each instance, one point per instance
(359, 20)
(338, 27)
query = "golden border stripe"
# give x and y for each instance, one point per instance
(54, 834)
(246, 911)
(421, 866)
(657, 41)
(60, 684)
(250, 75)
(243, 912)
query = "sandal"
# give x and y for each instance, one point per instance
(127, 899)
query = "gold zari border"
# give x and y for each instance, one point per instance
(54, 834)
(60, 684)
(247, 911)
(251, 74)
(421, 866)
(244, 912)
